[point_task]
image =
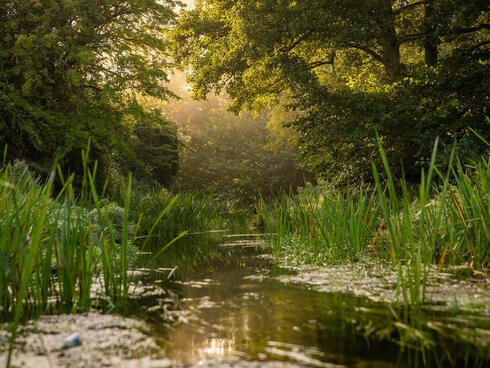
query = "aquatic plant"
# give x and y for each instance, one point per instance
(53, 247)
(443, 220)
(327, 225)
(409, 252)
(191, 210)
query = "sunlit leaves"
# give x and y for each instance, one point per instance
(346, 66)
(69, 70)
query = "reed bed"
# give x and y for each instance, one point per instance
(190, 216)
(55, 246)
(190, 211)
(322, 226)
(445, 220)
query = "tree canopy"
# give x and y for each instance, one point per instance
(412, 69)
(70, 70)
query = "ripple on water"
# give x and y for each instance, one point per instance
(248, 309)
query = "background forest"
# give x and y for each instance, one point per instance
(414, 70)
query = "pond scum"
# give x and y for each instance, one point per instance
(54, 246)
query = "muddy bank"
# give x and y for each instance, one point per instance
(106, 341)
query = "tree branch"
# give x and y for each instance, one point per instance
(413, 36)
(408, 6)
(367, 50)
(480, 45)
(319, 63)
(473, 29)
(297, 42)
(418, 36)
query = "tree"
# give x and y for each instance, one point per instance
(234, 157)
(413, 69)
(70, 70)
(155, 146)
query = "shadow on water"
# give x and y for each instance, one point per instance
(232, 307)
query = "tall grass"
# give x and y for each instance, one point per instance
(468, 213)
(322, 226)
(190, 211)
(412, 246)
(443, 220)
(52, 246)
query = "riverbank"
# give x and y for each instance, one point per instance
(105, 341)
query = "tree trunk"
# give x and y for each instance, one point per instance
(389, 42)
(430, 42)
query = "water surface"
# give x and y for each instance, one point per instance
(237, 309)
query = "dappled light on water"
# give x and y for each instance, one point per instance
(245, 308)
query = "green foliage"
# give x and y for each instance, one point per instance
(153, 150)
(337, 135)
(190, 211)
(69, 72)
(193, 215)
(446, 223)
(412, 69)
(322, 225)
(52, 248)
(232, 158)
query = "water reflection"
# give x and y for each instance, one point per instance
(237, 311)
(234, 309)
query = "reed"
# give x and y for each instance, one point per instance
(53, 245)
(323, 226)
(190, 211)
(190, 214)
(445, 219)
(412, 245)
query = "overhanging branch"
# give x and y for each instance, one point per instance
(367, 50)
(418, 36)
(408, 6)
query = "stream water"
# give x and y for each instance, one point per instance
(238, 309)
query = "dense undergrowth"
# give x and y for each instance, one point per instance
(62, 250)
(444, 220)
(190, 216)
(189, 211)
(54, 246)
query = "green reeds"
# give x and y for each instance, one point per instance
(469, 214)
(445, 223)
(445, 219)
(190, 211)
(322, 226)
(51, 246)
(411, 251)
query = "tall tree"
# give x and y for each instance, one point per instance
(413, 69)
(70, 70)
